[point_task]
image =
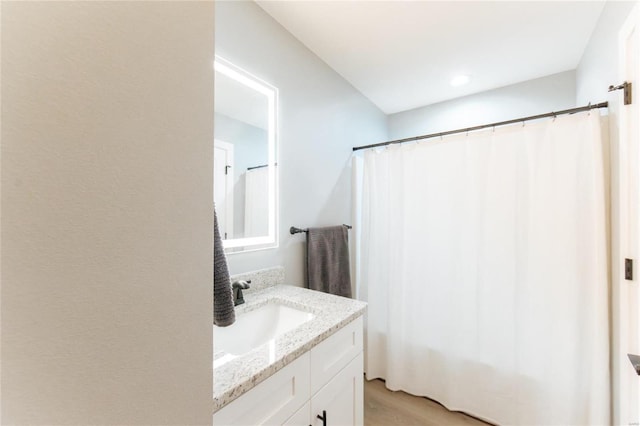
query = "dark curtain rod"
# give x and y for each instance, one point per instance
(294, 230)
(260, 166)
(484, 126)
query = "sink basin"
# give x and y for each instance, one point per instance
(257, 327)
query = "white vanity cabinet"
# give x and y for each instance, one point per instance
(301, 417)
(328, 378)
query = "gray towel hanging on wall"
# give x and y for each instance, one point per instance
(328, 260)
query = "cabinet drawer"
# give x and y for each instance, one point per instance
(271, 402)
(333, 354)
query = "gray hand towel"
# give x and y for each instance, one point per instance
(223, 311)
(328, 260)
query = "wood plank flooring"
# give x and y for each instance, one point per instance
(383, 407)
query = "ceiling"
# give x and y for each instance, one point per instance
(403, 54)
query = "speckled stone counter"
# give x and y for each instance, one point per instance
(239, 375)
(261, 279)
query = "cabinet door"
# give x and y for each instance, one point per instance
(333, 354)
(271, 402)
(301, 417)
(342, 398)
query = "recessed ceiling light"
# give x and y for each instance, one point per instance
(459, 80)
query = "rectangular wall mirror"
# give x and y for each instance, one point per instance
(245, 175)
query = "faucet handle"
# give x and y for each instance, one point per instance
(241, 284)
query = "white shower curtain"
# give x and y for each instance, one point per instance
(256, 202)
(483, 258)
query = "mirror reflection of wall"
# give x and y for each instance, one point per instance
(241, 177)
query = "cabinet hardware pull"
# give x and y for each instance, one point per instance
(323, 417)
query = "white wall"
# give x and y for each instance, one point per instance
(551, 93)
(599, 68)
(107, 124)
(321, 118)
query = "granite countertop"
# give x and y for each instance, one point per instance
(238, 375)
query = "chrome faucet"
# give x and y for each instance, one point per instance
(238, 286)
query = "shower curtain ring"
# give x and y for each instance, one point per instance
(589, 106)
(554, 117)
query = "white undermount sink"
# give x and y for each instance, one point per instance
(257, 327)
